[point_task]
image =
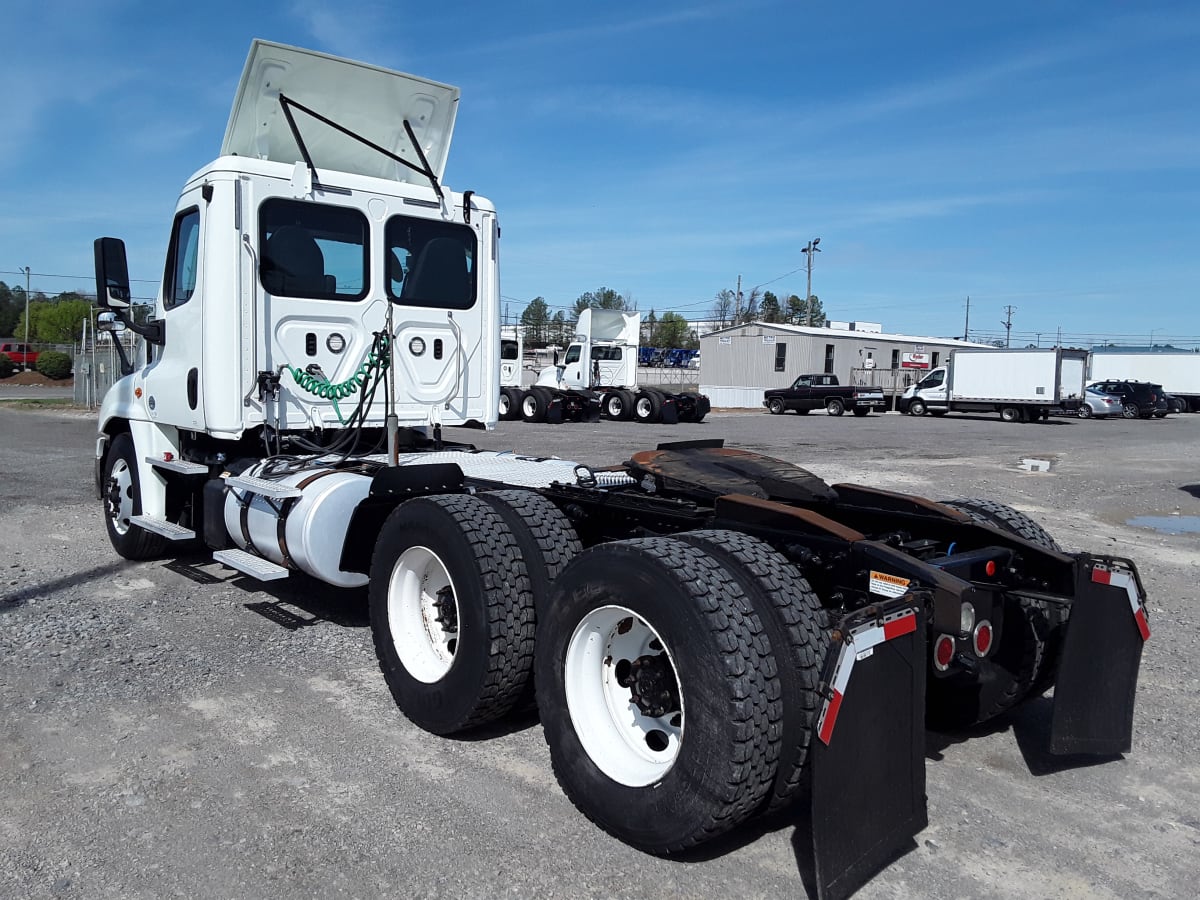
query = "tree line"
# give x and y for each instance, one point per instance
(52, 320)
(543, 328)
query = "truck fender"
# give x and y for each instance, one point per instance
(389, 488)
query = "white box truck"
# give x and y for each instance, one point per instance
(1178, 371)
(1020, 385)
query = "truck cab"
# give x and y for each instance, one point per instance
(300, 249)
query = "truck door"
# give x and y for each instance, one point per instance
(174, 380)
(932, 388)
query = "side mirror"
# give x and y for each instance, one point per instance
(112, 274)
(109, 322)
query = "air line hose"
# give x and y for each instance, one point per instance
(377, 360)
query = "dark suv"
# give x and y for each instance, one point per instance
(1139, 399)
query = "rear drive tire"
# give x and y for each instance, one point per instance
(614, 405)
(647, 407)
(123, 501)
(658, 694)
(1026, 656)
(835, 407)
(452, 612)
(796, 624)
(534, 405)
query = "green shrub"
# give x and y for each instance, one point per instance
(7, 366)
(54, 364)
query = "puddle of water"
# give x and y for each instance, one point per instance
(1167, 524)
(1033, 464)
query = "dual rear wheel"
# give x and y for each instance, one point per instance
(676, 677)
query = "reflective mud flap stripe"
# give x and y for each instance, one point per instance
(1126, 582)
(1102, 651)
(868, 763)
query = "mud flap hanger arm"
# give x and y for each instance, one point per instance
(424, 169)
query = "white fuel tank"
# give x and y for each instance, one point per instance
(304, 532)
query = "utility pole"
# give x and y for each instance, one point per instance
(1007, 323)
(808, 253)
(737, 302)
(967, 321)
(27, 314)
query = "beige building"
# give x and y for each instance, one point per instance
(738, 363)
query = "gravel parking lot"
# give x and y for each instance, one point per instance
(178, 731)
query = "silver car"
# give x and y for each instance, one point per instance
(1097, 404)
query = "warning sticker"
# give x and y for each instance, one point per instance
(888, 585)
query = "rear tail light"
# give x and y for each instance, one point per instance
(990, 568)
(982, 638)
(943, 652)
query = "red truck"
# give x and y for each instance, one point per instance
(20, 354)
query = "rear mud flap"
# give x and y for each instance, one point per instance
(1098, 671)
(868, 752)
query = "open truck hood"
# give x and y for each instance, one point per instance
(367, 100)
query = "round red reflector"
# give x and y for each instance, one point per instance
(983, 638)
(943, 652)
(990, 568)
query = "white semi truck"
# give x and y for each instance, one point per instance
(1020, 385)
(1178, 371)
(598, 377)
(713, 633)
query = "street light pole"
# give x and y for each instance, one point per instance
(808, 252)
(1152, 330)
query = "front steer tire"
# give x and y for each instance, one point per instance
(668, 777)
(123, 500)
(452, 612)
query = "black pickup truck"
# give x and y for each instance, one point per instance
(823, 391)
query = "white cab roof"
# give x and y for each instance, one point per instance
(367, 100)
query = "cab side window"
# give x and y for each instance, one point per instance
(183, 257)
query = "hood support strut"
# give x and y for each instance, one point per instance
(425, 169)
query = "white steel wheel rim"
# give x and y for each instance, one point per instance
(625, 743)
(120, 483)
(529, 405)
(615, 406)
(421, 594)
(644, 407)
(504, 404)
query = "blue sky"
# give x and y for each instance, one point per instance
(1040, 155)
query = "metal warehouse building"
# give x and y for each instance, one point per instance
(738, 363)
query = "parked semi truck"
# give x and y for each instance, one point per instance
(1178, 371)
(512, 358)
(597, 378)
(1020, 385)
(713, 634)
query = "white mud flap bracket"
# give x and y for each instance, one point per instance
(868, 756)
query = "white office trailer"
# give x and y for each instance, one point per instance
(742, 360)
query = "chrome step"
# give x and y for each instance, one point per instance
(263, 486)
(182, 466)
(169, 530)
(249, 564)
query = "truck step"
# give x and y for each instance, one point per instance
(263, 486)
(249, 564)
(169, 530)
(182, 466)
